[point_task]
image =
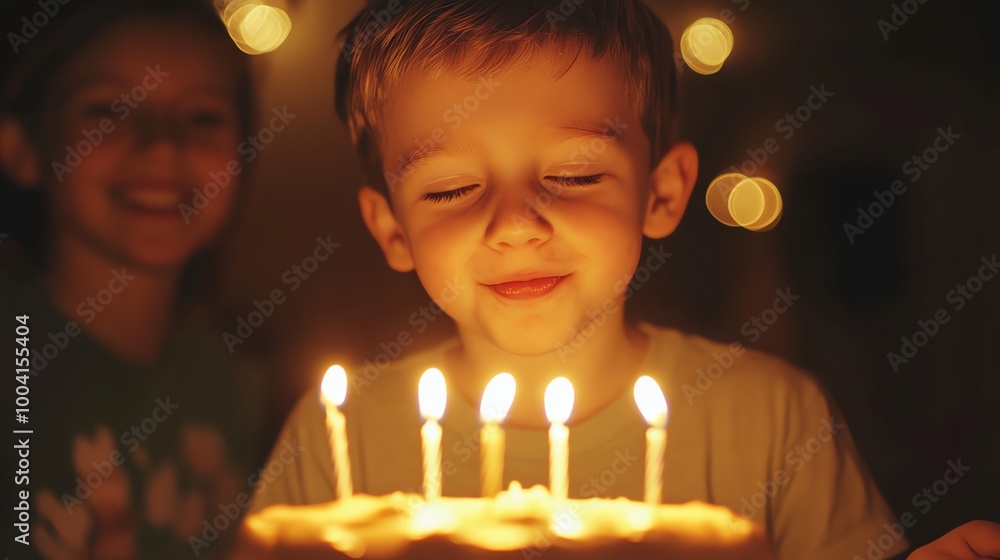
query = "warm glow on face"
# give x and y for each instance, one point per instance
(706, 44)
(432, 394)
(498, 398)
(650, 401)
(559, 400)
(255, 27)
(334, 386)
(533, 123)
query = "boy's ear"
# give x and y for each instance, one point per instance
(18, 155)
(385, 229)
(670, 187)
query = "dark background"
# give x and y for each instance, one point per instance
(857, 300)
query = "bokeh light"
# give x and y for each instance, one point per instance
(706, 44)
(746, 202)
(753, 203)
(255, 26)
(717, 197)
(772, 207)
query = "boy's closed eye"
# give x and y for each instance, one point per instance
(557, 182)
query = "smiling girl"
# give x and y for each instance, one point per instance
(113, 117)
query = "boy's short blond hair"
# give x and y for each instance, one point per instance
(390, 38)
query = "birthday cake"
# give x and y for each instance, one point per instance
(518, 523)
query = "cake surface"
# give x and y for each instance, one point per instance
(521, 524)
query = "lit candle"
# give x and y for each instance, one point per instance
(334, 391)
(558, 406)
(493, 409)
(432, 395)
(653, 406)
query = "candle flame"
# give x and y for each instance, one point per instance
(559, 400)
(497, 398)
(334, 386)
(649, 398)
(432, 394)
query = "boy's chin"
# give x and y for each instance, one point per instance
(531, 342)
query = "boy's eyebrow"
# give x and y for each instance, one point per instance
(600, 132)
(587, 131)
(419, 156)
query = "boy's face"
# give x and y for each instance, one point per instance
(527, 211)
(141, 117)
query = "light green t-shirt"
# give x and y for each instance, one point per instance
(747, 431)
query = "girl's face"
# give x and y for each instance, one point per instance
(140, 144)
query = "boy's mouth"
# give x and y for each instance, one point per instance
(527, 289)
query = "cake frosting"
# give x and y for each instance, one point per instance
(518, 524)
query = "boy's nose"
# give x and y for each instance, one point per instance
(517, 221)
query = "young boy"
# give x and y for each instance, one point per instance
(517, 156)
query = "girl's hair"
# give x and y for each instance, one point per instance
(475, 37)
(37, 66)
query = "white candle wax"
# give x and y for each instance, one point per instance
(338, 442)
(497, 400)
(558, 460)
(559, 398)
(653, 406)
(492, 441)
(431, 437)
(656, 445)
(333, 391)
